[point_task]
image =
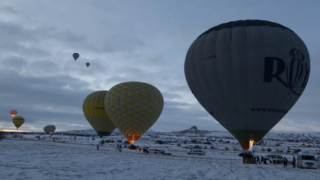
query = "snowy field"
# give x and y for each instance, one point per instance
(23, 158)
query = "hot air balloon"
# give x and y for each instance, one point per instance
(13, 113)
(93, 109)
(87, 64)
(133, 107)
(247, 74)
(75, 56)
(18, 121)
(49, 129)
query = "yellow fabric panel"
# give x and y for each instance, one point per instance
(94, 111)
(134, 107)
(18, 121)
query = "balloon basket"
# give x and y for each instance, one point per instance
(249, 160)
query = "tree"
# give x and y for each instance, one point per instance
(1, 135)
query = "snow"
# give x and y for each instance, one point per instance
(74, 158)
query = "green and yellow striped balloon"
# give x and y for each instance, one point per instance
(18, 121)
(93, 109)
(133, 107)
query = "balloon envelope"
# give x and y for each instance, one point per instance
(49, 129)
(248, 75)
(18, 121)
(13, 113)
(93, 109)
(133, 107)
(75, 56)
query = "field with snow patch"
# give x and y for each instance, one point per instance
(73, 158)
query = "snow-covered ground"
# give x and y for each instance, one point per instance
(77, 158)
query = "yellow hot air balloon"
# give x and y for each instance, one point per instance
(13, 113)
(93, 109)
(18, 121)
(133, 107)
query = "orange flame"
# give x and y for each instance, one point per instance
(251, 143)
(132, 138)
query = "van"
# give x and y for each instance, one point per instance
(274, 158)
(196, 152)
(306, 160)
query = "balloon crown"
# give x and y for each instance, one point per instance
(296, 55)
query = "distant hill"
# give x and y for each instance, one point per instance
(193, 130)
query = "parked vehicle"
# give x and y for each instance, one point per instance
(196, 152)
(318, 161)
(306, 160)
(274, 158)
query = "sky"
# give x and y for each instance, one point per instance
(125, 40)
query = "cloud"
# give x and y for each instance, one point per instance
(136, 42)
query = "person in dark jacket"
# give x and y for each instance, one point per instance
(285, 162)
(294, 161)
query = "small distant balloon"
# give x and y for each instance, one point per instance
(49, 129)
(75, 56)
(87, 64)
(18, 121)
(13, 113)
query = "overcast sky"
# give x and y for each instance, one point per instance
(133, 40)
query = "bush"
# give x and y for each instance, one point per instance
(2, 135)
(197, 147)
(179, 145)
(212, 147)
(269, 149)
(194, 141)
(226, 148)
(297, 151)
(159, 142)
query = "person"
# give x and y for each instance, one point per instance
(262, 159)
(120, 147)
(294, 161)
(285, 161)
(258, 159)
(98, 146)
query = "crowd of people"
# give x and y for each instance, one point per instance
(261, 159)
